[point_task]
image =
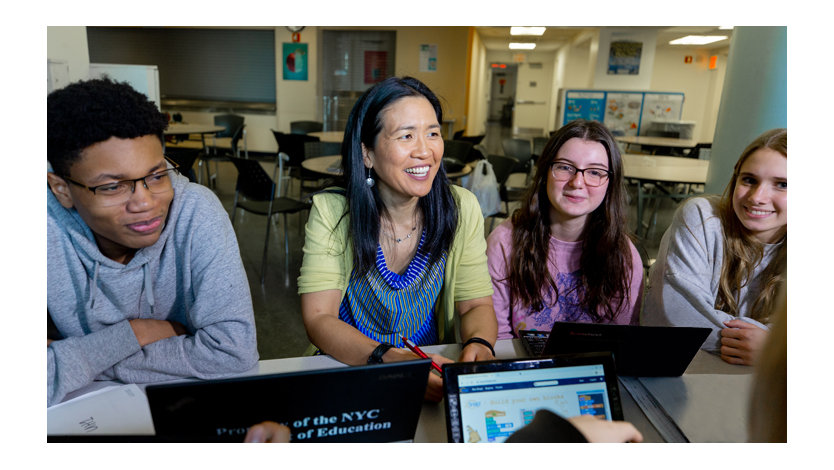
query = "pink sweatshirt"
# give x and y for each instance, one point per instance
(563, 262)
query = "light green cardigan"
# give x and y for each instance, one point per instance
(328, 257)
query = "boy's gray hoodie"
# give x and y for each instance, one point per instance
(193, 275)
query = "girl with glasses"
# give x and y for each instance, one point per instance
(722, 260)
(565, 255)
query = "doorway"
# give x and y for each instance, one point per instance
(352, 62)
(502, 95)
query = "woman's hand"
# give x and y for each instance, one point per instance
(268, 431)
(434, 387)
(477, 318)
(600, 430)
(476, 352)
(741, 342)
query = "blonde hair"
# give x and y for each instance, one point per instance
(742, 252)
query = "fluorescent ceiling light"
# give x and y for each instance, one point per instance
(697, 40)
(522, 45)
(527, 30)
(725, 27)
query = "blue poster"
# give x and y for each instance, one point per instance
(624, 58)
(295, 61)
(584, 105)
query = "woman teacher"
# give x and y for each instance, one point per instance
(397, 251)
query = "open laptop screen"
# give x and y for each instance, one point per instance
(486, 402)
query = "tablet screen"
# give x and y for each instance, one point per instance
(489, 405)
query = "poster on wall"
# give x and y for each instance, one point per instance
(295, 61)
(624, 57)
(584, 105)
(428, 57)
(376, 63)
(663, 107)
(622, 112)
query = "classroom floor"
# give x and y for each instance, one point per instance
(277, 304)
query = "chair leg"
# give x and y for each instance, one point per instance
(286, 252)
(234, 210)
(266, 247)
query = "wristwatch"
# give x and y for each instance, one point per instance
(376, 356)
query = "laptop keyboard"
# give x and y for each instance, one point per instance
(534, 341)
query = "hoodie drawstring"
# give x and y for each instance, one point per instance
(93, 288)
(146, 268)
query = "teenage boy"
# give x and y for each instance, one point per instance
(144, 277)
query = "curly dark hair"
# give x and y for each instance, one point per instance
(87, 112)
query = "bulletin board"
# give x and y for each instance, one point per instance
(623, 112)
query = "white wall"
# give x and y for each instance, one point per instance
(701, 86)
(69, 44)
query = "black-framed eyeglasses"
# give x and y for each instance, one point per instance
(562, 171)
(118, 192)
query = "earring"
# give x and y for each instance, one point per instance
(370, 181)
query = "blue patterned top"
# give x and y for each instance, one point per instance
(385, 306)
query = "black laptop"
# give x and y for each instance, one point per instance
(645, 351)
(373, 403)
(488, 401)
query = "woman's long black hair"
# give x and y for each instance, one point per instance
(438, 207)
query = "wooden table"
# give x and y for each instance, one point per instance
(329, 136)
(331, 165)
(662, 171)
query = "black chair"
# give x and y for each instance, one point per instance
(457, 151)
(305, 127)
(234, 131)
(322, 149)
(184, 158)
(293, 146)
(538, 146)
(503, 167)
(256, 191)
(700, 151)
(475, 139)
(522, 151)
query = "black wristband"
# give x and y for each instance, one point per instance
(376, 356)
(478, 340)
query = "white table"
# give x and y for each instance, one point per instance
(661, 171)
(691, 399)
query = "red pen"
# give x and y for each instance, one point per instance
(416, 350)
